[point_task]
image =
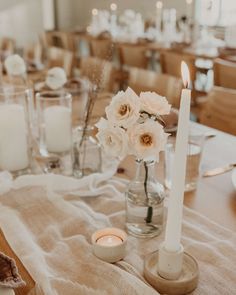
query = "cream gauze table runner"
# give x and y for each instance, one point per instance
(48, 221)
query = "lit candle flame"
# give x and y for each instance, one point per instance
(113, 6)
(185, 74)
(159, 4)
(94, 11)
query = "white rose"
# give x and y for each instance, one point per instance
(147, 139)
(56, 78)
(15, 65)
(114, 141)
(124, 108)
(153, 103)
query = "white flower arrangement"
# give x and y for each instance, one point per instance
(134, 125)
(56, 78)
(15, 65)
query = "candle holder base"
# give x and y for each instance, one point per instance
(185, 284)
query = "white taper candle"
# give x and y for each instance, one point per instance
(175, 209)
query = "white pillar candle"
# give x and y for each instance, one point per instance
(57, 129)
(175, 209)
(13, 138)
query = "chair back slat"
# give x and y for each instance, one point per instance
(224, 73)
(58, 57)
(220, 110)
(165, 85)
(98, 71)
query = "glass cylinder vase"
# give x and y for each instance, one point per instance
(144, 202)
(15, 134)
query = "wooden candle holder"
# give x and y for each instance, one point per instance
(185, 284)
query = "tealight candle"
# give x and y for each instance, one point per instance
(109, 241)
(109, 244)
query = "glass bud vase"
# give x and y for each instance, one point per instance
(87, 153)
(144, 202)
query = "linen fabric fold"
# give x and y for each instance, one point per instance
(56, 216)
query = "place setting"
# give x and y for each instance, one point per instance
(117, 148)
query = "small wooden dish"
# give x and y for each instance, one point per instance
(185, 284)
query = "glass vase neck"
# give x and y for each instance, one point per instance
(145, 169)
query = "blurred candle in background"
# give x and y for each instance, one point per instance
(94, 11)
(189, 9)
(113, 19)
(113, 7)
(48, 14)
(159, 6)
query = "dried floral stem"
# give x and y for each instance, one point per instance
(89, 108)
(150, 209)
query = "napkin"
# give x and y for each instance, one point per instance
(93, 185)
(6, 182)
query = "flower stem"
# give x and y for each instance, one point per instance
(150, 209)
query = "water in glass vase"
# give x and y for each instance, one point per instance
(144, 202)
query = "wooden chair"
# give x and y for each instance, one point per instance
(7, 45)
(227, 53)
(133, 55)
(224, 73)
(165, 85)
(102, 101)
(57, 57)
(56, 39)
(171, 64)
(220, 110)
(33, 52)
(98, 71)
(102, 48)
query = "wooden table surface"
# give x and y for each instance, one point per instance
(215, 197)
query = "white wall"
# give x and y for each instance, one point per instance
(81, 13)
(21, 19)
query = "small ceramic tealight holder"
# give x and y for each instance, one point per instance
(109, 244)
